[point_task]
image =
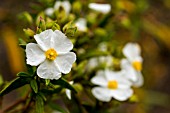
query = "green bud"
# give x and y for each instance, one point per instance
(40, 15)
(26, 17)
(38, 30)
(100, 32)
(1, 80)
(28, 32)
(134, 98)
(77, 7)
(55, 27)
(42, 24)
(70, 29)
(78, 87)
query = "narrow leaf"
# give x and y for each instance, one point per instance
(34, 85)
(63, 83)
(16, 83)
(39, 103)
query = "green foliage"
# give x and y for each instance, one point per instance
(34, 85)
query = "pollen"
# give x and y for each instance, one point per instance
(112, 84)
(137, 65)
(51, 54)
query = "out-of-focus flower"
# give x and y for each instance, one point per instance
(133, 64)
(111, 84)
(52, 54)
(103, 8)
(64, 4)
(68, 91)
(81, 24)
(96, 61)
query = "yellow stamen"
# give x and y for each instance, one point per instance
(137, 65)
(112, 84)
(51, 54)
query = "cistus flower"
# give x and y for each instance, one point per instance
(64, 4)
(103, 8)
(111, 85)
(132, 65)
(51, 53)
(68, 91)
(81, 24)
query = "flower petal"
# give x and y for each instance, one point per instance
(44, 39)
(131, 51)
(122, 94)
(34, 54)
(68, 94)
(65, 4)
(100, 79)
(48, 70)
(139, 81)
(81, 24)
(102, 94)
(103, 8)
(49, 11)
(61, 43)
(65, 61)
(128, 70)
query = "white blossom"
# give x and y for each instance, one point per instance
(103, 8)
(81, 24)
(132, 65)
(64, 4)
(111, 85)
(51, 54)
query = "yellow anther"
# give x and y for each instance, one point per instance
(112, 84)
(137, 65)
(51, 54)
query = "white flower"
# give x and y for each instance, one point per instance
(68, 91)
(133, 64)
(51, 53)
(111, 84)
(81, 24)
(96, 61)
(64, 4)
(103, 8)
(129, 72)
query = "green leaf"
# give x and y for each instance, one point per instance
(57, 107)
(34, 85)
(39, 104)
(31, 69)
(47, 92)
(63, 83)
(16, 83)
(22, 46)
(23, 74)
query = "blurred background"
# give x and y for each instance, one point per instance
(144, 21)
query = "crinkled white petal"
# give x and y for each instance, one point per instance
(35, 55)
(103, 8)
(48, 70)
(44, 39)
(102, 94)
(128, 70)
(81, 24)
(139, 81)
(49, 11)
(65, 61)
(92, 63)
(121, 94)
(100, 79)
(68, 91)
(68, 94)
(65, 4)
(61, 43)
(131, 51)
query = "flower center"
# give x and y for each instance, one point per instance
(137, 65)
(112, 84)
(51, 54)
